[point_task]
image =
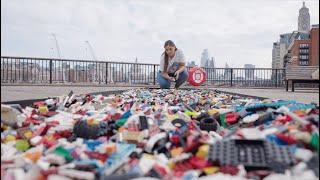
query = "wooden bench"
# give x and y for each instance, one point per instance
(300, 74)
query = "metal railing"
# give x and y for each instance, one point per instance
(54, 71)
(242, 77)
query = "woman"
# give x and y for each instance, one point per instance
(172, 67)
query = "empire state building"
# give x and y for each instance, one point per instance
(304, 19)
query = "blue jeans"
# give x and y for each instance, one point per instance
(165, 83)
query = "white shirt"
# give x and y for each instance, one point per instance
(178, 58)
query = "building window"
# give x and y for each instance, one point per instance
(304, 45)
(304, 51)
(304, 57)
(304, 63)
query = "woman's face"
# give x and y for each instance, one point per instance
(170, 50)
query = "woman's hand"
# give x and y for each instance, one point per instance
(172, 79)
(166, 76)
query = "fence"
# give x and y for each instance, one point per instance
(51, 71)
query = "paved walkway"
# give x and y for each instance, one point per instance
(16, 93)
(302, 95)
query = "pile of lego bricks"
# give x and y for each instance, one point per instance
(160, 134)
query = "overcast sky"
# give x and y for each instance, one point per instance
(234, 31)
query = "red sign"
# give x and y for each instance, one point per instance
(197, 76)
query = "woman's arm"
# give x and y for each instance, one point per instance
(182, 62)
(182, 67)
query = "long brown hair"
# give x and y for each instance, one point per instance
(166, 57)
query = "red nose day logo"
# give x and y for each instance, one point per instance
(198, 76)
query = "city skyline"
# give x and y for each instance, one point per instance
(123, 30)
(299, 47)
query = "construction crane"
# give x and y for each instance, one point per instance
(57, 45)
(59, 55)
(91, 51)
(99, 72)
(94, 59)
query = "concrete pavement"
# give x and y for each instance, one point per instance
(16, 92)
(300, 95)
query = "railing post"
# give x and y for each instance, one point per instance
(283, 75)
(276, 77)
(50, 71)
(231, 71)
(69, 73)
(106, 72)
(154, 74)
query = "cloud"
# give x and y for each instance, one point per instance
(237, 32)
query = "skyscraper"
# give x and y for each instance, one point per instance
(276, 61)
(227, 72)
(285, 39)
(204, 58)
(210, 63)
(304, 19)
(249, 71)
(211, 72)
(206, 61)
(191, 64)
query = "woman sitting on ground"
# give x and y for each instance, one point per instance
(172, 67)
